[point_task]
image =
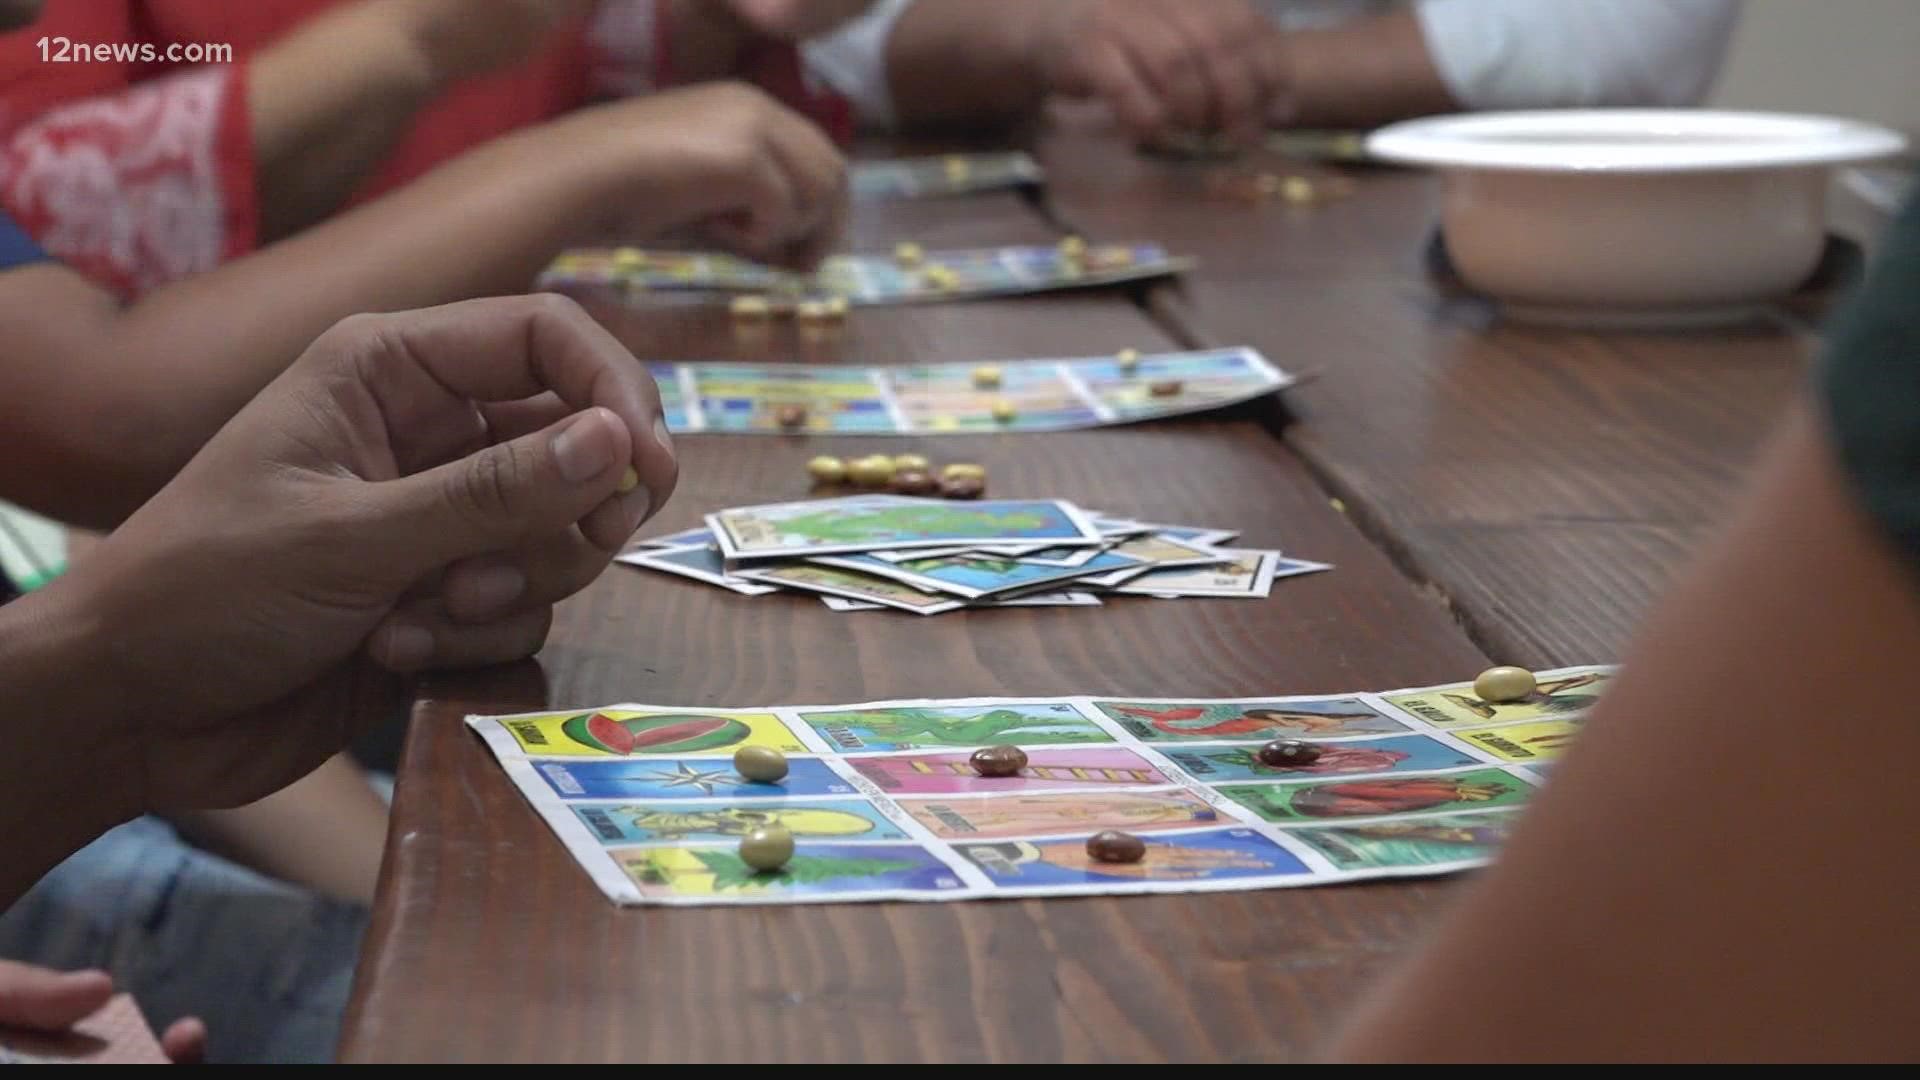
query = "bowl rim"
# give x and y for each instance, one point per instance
(1633, 141)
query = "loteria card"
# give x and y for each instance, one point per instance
(699, 534)
(701, 562)
(946, 174)
(1394, 754)
(1459, 839)
(1248, 574)
(977, 576)
(1564, 692)
(684, 778)
(622, 824)
(1541, 740)
(1243, 574)
(854, 585)
(834, 526)
(649, 733)
(1202, 856)
(985, 817)
(919, 727)
(1048, 769)
(815, 871)
(1152, 552)
(1045, 599)
(1379, 796)
(1252, 719)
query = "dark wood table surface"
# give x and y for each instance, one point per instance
(1520, 493)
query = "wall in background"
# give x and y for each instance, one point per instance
(1856, 58)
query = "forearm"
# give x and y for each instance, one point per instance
(1716, 871)
(1368, 72)
(328, 103)
(106, 404)
(326, 831)
(969, 62)
(63, 780)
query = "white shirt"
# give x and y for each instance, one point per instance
(1492, 54)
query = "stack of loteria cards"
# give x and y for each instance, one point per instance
(931, 556)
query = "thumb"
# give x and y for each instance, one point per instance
(506, 494)
(41, 1000)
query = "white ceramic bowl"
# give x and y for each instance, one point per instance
(1633, 216)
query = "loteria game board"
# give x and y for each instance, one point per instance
(883, 804)
(943, 175)
(1046, 395)
(869, 279)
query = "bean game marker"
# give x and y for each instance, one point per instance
(981, 798)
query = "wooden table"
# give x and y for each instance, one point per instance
(1523, 489)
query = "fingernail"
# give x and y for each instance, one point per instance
(489, 589)
(584, 449)
(635, 505)
(629, 480)
(407, 646)
(661, 436)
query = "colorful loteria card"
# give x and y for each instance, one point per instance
(836, 526)
(748, 398)
(684, 778)
(985, 817)
(946, 174)
(1560, 693)
(1186, 534)
(920, 727)
(1544, 739)
(1467, 839)
(648, 733)
(1046, 599)
(673, 822)
(1158, 553)
(1399, 753)
(1203, 380)
(701, 562)
(1244, 574)
(699, 534)
(816, 870)
(853, 585)
(1048, 769)
(975, 577)
(1251, 720)
(1202, 856)
(943, 399)
(1376, 796)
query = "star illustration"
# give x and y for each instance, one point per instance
(684, 775)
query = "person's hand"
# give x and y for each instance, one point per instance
(36, 999)
(415, 492)
(724, 159)
(1167, 67)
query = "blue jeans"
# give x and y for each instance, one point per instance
(267, 965)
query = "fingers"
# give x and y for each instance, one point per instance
(794, 195)
(1168, 67)
(185, 1041)
(42, 1000)
(1113, 76)
(421, 638)
(549, 571)
(507, 494)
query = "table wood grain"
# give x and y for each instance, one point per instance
(1547, 483)
(489, 943)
